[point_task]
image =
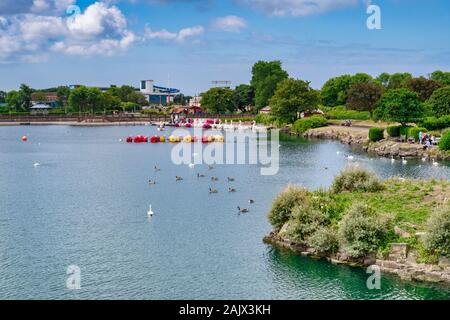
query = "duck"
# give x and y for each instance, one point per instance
(231, 190)
(251, 201)
(230, 179)
(243, 210)
(214, 179)
(150, 212)
(200, 175)
(210, 167)
(151, 182)
(178, 178)
(213, 190)
(156, 168)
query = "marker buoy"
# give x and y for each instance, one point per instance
(24, 138)
(129, 140)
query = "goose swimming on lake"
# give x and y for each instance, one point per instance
(199, 175)
(214, 179)
(150, 212)
(251, 201)
(178, 178)
(151, 182)
(230, 179)
(210, 167)
(243, 210)
(213, 190)
(157, 169)
(231, 190)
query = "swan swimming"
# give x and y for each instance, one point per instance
(150, 212)
(404, 161)
(37, 164)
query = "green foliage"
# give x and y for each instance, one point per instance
(291, 98)
(354, 178)
(13, 101)
(324, 240)
(433, 123)
(400, 105)
(363, 96)
(284, 203)
(265, 78)
(63, 94)
(303, 125)
(243, 96)
(393, 131)
(265, 119)
(152, 111)
(128, 94)
(376, 134)
(423, 87)
(25, 97)
(218, 100)
(437, 238)
(341, 113)
(413, 132)
(334, 91)
(442, 77)
(444, 143)
(362, 232)
(439, 102)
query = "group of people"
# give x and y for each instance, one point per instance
(426, 140)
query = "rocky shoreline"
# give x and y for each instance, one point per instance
(384, 148)
(400, 261)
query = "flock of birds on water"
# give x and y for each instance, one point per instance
(394, 160)
(212, 190)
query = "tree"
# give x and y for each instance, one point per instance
(265, 77)
(243, 96)
(2, 96)
(423, 87)
(442, 77)
(291, 98)
(180, 99)
(218, 100)
(95, 99)
(334, 91)
(364, 96)
(13, 101)
(109, 102)
(78, 99)
(128, 94)
(400, 105)
(39, 97)
(63, 93)
(398, 80)
(25, 97)
(383, 79)
(439, 102)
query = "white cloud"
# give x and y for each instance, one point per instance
(47, 7)
(297, 8)
(229, 24)
(179, 36)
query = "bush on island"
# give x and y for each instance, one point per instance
(376, 134)
(434, 123)
(393, 131)
(444, 143)
(303, 125)
(413, 132)
(437, 238)
(324, 240)
(354, 178)
(362, 232)
(283, 204)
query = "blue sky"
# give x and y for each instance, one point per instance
(189, 43)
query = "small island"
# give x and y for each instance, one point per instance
(401, 225)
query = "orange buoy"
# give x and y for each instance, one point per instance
(24, 138)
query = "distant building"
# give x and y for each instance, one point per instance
(46, 98)
(186, 110)
(224, 84)
(156, 94)
(195, 101)
(40, 108)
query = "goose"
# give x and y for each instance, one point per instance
(404, 161)
(151, 182)
(157, 169)
(199, 175)
(230, 179)
(150, 211)
(178, 178)
(231, 190)
(251, 201)
(210, 167)
(214, 179)
(243, 210)
(213, 190)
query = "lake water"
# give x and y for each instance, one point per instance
(86, 205)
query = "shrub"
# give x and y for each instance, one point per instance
(302, 125)
(283, 204)
(404, 130)
(393, 131)
(444, 143)
(440, 101)
(354, 178)
(341, 113)
(376, 134)
(265, 119)
(361, 231)
(324, 240)
(437, 238)
(413, 132)
(433, 123)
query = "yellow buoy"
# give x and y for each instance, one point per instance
(187, 139)
(210, 138)
(162, 139)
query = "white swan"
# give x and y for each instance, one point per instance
(392, 159)
(350, 157)
(435, 163)
(191, 165)
(404, 161)
(37, 164)
(150, 212)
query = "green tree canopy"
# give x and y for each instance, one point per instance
(265, 77)
(364, 96)
(393, 81)
(63, 93)
(78, 99)
(25, 97)
(423, 87)
(439, 102)
(13, 101)
(291, 98)
(441, 76)
(218, 100)
(128, 94)
(400, 105)
(243, 96)
(2, 96)
(334, 91)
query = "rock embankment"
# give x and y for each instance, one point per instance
(400, 261)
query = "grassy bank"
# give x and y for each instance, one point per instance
(361, 216)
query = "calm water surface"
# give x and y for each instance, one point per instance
(86, 205)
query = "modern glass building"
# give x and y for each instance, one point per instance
(156, 94)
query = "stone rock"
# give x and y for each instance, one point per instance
(398, 231)
(444, 262)
(399, 252)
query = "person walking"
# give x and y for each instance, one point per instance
(420, 137)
